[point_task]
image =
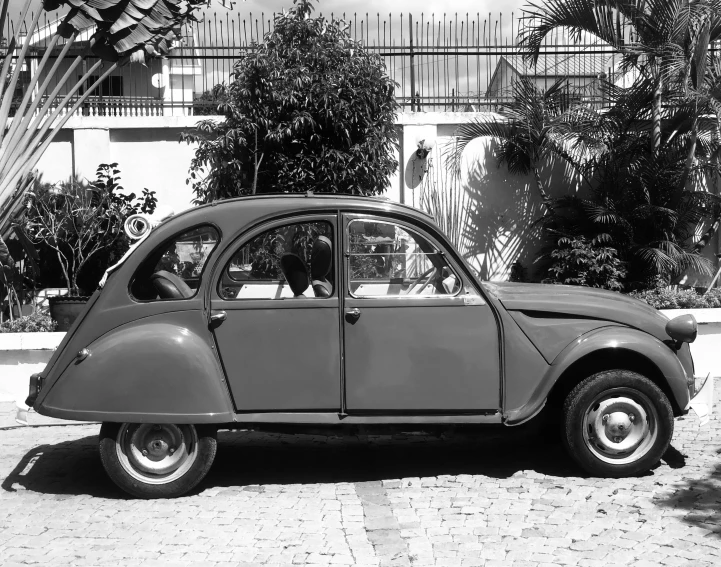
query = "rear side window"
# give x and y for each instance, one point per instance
(174, 269)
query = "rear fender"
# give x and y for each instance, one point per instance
(624, 341)
(153, 370)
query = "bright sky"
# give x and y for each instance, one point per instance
(360, 6)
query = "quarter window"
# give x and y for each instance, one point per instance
(174, 270)
(388, 259)
(293, 261)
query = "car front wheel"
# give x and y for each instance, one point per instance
(617, 423)
(156, 460)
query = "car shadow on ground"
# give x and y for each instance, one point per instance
(249, 459)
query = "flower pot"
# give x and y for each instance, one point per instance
(65, 309)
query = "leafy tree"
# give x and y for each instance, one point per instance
(309, 109)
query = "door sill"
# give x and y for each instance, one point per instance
(345, 419)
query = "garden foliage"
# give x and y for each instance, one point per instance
(37, 322)
(309, 109)
(669, 298)
(647, 154)
(81, 227)
(579, 261)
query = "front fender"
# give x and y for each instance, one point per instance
(156, 370)
(623, 339)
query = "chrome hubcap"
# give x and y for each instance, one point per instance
(620, 426)
(156, 454)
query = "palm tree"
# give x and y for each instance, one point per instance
(665, 40)
(638, 201)
(126, 31)
(524, 129)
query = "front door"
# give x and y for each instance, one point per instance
(277, 320)
(418, 338)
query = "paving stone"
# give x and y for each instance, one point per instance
(275, 499)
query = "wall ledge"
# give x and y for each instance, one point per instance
(30, 341)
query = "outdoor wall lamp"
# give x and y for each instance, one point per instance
(424, 148)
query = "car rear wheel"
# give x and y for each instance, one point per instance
(156, 460)
(617, 423)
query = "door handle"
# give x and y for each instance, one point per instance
(217, 317)
(352, 315)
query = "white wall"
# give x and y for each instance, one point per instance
(146, 149)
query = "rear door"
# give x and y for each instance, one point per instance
(418, 338)
(280, 349)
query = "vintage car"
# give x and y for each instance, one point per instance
(304, 312)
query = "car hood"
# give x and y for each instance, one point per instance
(582, 302)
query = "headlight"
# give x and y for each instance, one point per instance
(682, 329)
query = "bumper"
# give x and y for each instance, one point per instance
(36, 384)
(702, 402)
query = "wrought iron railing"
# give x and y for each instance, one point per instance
(439, 62)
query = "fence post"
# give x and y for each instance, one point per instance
(413, 70)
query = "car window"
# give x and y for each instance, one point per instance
(386, 258)
(285, 262)
(174, 270)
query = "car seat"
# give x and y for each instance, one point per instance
(321, 260)
(170, 286)
(295, 273)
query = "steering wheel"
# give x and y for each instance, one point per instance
(429, 274)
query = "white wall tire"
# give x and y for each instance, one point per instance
(156, 460)
(617, 423)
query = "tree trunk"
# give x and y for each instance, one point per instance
(545, 199)
(656, 135)
(690, 156)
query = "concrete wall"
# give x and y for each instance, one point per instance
(146, 149)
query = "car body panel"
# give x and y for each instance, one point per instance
(296, 366)
(550, 333)
(529, 335)
(175, 376)
(545, 301)
(609, 340)
(422, 355)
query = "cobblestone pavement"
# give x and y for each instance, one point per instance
(384, 501)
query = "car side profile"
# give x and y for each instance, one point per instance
(294, 312)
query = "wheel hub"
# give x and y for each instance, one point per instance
(620, 426)
(156, 453)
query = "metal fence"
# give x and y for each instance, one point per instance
(447, 62)
(440, 62)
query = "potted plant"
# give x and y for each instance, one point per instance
(78, 224)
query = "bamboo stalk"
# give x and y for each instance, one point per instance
(31, 86)
(49, 122)
(28, 117)
(35, 156)
(26, 134)
(10, 90)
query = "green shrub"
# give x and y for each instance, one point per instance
(33, 323)
(579, 261)
(667, 298)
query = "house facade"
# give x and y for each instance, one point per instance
(164, 87)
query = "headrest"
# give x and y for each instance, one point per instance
(321, 258)
(295, 272)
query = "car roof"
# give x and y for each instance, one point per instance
(267, 204)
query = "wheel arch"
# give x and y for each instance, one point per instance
(609, 359)
(160, 369)
(606, 348)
